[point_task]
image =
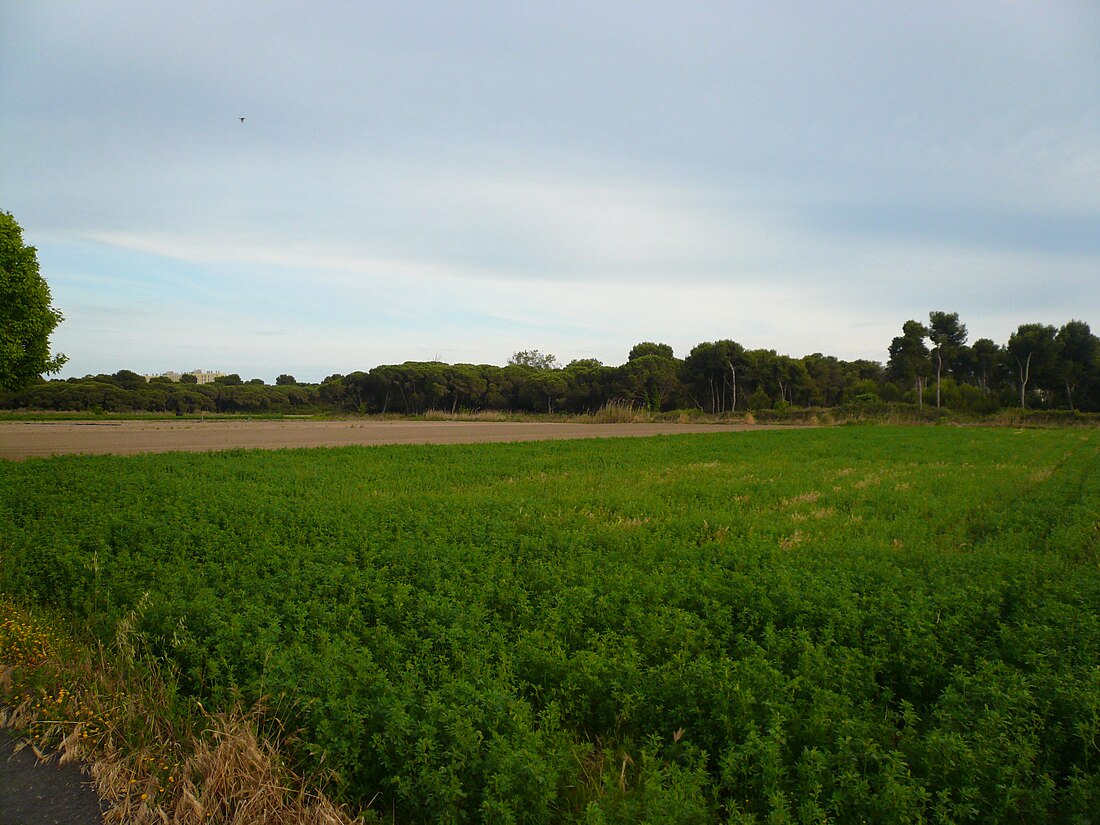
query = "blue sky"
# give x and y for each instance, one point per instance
(458, 181)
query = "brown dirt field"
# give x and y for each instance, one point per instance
(20, 440)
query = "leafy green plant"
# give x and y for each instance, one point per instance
(876, 623)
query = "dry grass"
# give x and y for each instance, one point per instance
(818, 514)
(793, 540)
(234, 776)
(149, 761)
(621, 412)
(804, 498)
(468, 415)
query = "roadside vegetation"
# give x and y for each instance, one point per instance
(889, 624)
(153, 756)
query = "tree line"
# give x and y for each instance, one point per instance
(126, 391)
(928, 364)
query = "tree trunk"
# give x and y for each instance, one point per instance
(733, 372)
(1069, 395)
(939, 368)
(1025, 374)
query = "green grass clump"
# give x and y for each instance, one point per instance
(863, 623)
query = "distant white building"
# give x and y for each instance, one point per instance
(206, 377)
(201, 376)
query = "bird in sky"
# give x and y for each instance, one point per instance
(242, 120)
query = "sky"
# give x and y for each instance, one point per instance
(460, 181)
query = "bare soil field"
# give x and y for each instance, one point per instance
(20, 439)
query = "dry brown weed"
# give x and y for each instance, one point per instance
(103, 710)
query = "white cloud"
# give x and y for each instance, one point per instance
(414, 181)
(494, 226)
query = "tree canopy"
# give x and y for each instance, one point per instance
(909, 357)
(1034, 348)
(534, 359)
(26, 316)
(649, 348)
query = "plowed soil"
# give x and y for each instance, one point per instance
(20, 440)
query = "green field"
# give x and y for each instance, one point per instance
(853, 624)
